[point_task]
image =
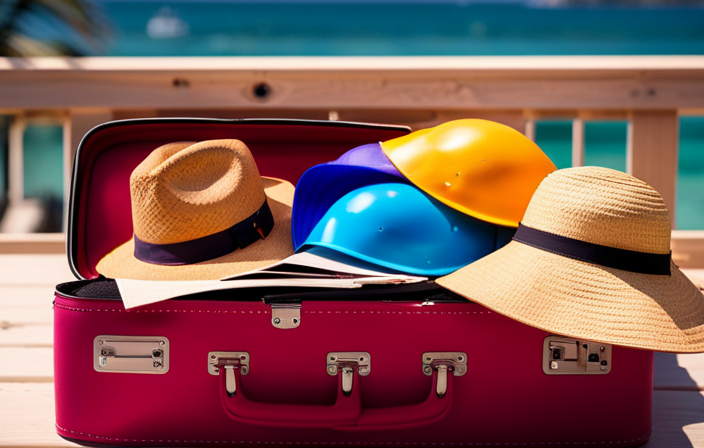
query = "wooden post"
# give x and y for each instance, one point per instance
(15, 168)
(652, 152)
(578, 142)
(530, 129)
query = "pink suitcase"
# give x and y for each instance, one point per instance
(407, 365)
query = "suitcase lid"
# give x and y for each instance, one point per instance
(99, 214)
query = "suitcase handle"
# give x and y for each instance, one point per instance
(345, 415)
(238, 407)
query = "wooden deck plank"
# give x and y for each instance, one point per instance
(25, 296)
(678, 420)
(34, 269)
(27, 336)
(39, 315)
(26, 365)
(27, 417)
(679, 372)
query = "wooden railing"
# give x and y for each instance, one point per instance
(650, 92)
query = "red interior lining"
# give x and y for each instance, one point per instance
(102, 215)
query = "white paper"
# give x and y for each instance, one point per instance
(143, 292)
(320, 258)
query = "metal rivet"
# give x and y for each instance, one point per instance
(295, 321)
(100, 342)
(427, 369)
(602, 368)
(332, 370)
(243, 357)
(585, 346)
(428, 358)
(244, 369)
(277, 321)
(162, 342)
(332, 358)
(553, 365)
(157, 364)
(213, 357)
(460, 358)
(103, 352)
(602, 348)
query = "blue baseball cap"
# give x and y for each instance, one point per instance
(399, 227)
(323, 185)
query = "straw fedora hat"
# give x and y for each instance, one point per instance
(200, 211)
(591, 260)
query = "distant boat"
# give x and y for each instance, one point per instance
(166, 24)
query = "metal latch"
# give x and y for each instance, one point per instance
(286, 315)
(443, 362)
(228, 361)
(567, 356)
(131, 354)
(347, 362)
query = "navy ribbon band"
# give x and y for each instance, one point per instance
(611, 257)
(239, 236)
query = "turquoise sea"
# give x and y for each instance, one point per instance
(407, 28)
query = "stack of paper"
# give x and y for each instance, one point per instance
(316, 267)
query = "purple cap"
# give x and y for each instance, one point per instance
(322, 185)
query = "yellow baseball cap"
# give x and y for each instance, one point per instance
(482, 168)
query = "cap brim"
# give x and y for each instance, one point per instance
(121, 263)
(586, 301)
(323, 185)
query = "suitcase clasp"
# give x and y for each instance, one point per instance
(228, 361)
(131, 354)
(567, 356)
(347, 363)
(286, 316)
(444, 362)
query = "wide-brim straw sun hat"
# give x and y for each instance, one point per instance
(201, 211)
(591, 260)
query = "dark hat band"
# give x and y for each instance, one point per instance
(610, 257)
(239, 236)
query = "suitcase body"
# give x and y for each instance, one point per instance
(416, 366)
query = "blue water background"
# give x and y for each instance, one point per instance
(404, 29)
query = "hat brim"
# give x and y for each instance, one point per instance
(586, 301)
(121, 262)
(323, 185)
